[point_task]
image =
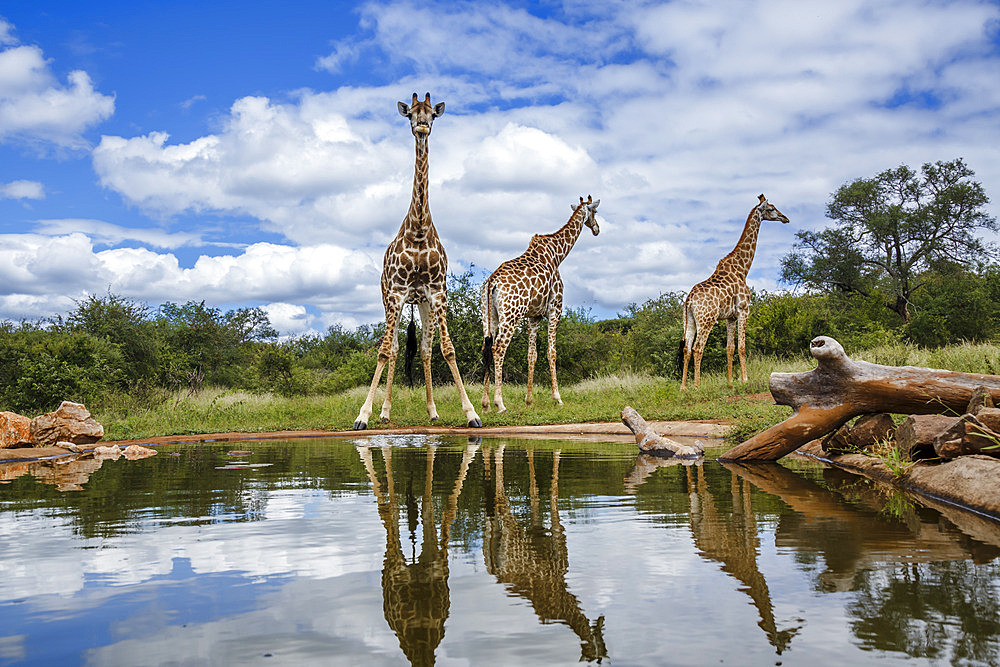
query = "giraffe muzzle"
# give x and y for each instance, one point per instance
(422, 129)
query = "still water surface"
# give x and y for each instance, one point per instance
(429, 550)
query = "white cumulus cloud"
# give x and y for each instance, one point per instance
(36, 107)
(22, 190)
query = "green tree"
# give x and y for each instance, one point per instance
(890, 229)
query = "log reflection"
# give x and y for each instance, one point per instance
(531, 560)
(415, 595)
(849, 525)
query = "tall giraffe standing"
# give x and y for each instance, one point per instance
(415, 270)
(529, 287)
(725, 296)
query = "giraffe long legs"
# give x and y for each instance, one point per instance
(500, 343)
(690, 329)
(427, 326)
(439, 305)
(741, 324)
(553, 325)
(386, 353)
(699, 350)
(532, 357)
(730, 348)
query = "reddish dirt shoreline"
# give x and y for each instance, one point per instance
(594, 431)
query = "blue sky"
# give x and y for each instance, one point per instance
(247, 154)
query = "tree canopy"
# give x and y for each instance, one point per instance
(891, 229)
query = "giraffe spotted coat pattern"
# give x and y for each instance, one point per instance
(415, 271)
(725, 296)
(529, 287)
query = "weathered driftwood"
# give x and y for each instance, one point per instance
(651, 442)
(840, 388)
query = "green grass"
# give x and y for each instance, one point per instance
(596, 400)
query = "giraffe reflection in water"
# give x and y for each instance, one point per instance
(531, 560)
(729, 540)
(845, 521)
(415, 595)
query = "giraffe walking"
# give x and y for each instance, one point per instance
(415, 270)
(529, 287)
(725, 296)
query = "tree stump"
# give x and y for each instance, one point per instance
(840, 388)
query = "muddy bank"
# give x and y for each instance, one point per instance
(604, 431)
(970, 482)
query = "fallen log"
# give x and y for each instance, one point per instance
(840, 388)
(651, 442)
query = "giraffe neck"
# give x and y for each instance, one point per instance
(562, 241)
(418, 222)
(739, 259)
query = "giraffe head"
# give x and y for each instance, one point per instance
(421, 114)
(589, 213)
(769, 212)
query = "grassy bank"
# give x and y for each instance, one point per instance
(215, 410)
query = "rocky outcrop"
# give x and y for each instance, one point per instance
(71, 422)
(15, 430)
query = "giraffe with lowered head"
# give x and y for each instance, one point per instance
(415, 271)
(725, 296)
(529, 287)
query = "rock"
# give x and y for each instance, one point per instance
(869, 429)
(967, 435)
(134, 452)
(990, 417)
(107, 452)
(71, 446)
(15, 430)
(837, 442)
(981, 398)
(70, 422)
(917, 433)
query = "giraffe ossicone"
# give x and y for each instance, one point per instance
(725, 296)
(529, 287)
(415, 271)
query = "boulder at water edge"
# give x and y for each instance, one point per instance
(71, 422)
(15, 430)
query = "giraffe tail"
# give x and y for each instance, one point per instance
(487, 355)
(411, 348)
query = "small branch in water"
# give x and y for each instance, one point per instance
(651, 442)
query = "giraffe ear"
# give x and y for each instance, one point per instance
(403, 109)
(438, 109)
(573, 207)
(593, 207)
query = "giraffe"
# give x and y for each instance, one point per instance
(415, 271)
(415, 596)
(529, 287)
(725, 296)
(532, 561)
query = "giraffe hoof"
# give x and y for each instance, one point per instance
(360, 425)
(384, 420)
(475, 423)
(434, 420)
